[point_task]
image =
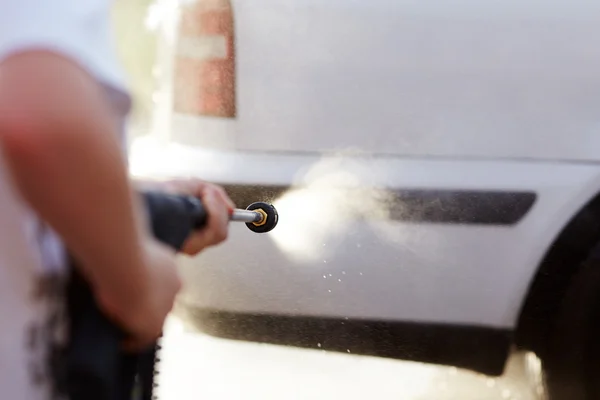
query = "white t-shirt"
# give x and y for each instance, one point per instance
(32, 259)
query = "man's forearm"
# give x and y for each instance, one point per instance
(90, 206)
(66, 162)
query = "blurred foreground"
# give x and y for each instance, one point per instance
(195, 366)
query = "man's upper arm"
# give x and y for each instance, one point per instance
(76, 34)
(41, 91)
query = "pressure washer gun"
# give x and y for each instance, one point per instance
(95, 367)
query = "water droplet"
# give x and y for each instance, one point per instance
(360, 274)
(491, 383)
(348, 350)
(339, 280)
(343, 272)
(330, 275)
(324, 276)
(329, 290)
(325, 261)
(319, 345)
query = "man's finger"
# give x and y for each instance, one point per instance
(225, 197)
(218, 217)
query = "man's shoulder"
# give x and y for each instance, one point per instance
(80, 30)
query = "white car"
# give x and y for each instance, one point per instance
(435, 165)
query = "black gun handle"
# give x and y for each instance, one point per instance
(96, 367)
(174, 217)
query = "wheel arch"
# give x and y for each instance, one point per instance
(554, 274)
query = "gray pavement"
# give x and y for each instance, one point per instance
(195, 366)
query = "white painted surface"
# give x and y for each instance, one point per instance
(515, 78)
(204, 132)
(457, 91)
(323, 260)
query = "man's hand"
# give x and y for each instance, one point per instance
(218, 206)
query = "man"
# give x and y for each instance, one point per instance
(64, 185)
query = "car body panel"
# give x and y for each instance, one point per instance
(338, 254)
(461, 78)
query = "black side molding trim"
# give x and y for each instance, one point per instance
(472, 207)
(484, 350)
